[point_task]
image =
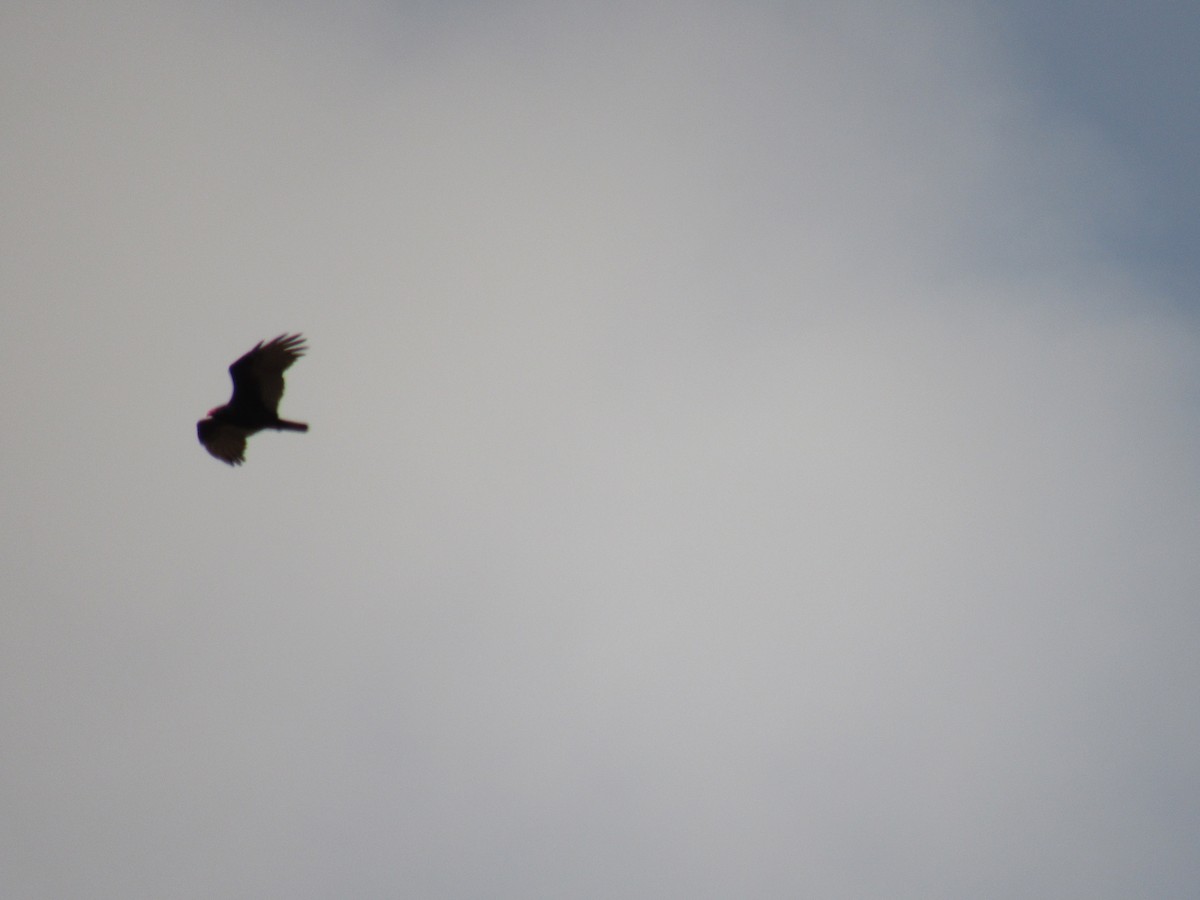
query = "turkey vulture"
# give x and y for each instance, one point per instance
(257, 387)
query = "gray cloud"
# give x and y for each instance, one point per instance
(735, 471)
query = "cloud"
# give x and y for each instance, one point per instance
(734, 470)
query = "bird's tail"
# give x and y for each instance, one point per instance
(285, 425)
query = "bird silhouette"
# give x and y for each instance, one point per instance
(257, 387)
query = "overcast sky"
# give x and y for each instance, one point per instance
(753, 451)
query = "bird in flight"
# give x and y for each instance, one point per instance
(257, 387)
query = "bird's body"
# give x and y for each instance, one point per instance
(257, 388)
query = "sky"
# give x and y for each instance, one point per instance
(1127, 72)
(753, 450)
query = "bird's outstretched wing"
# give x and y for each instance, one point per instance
(224, 441)
(258, 376)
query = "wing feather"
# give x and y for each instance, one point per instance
(224, 441)
(258, 375)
